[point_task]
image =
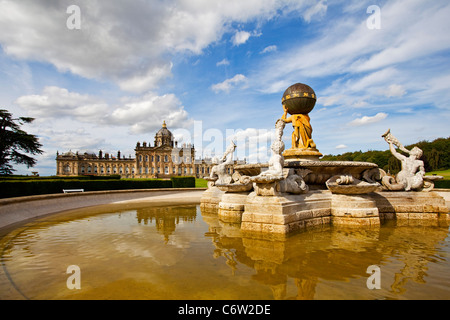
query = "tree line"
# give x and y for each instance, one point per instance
(436, 156)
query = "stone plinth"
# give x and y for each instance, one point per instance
(354, 209)
(232, 206)
(411, 205)
(280, 215)
(309, 154)
(210, 199)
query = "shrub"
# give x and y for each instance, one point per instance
(444, 184)
(183, 182)
(18, 188)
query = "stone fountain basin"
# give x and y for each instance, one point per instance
(321, 171)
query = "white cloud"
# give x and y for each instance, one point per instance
(318, 10)
(147, 113)
(223, 62)
(368, 120)
(55, 102)
(141, 114)
(128, 43)
(341, 146)
(268, 49)
(395, 90)
(228, 84)
(240, 37)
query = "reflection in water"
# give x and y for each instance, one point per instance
(181, 253)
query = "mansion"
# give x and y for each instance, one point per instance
(163, 160)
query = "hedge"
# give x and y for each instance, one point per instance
(444, 184)
(183, 182)
(18, 188)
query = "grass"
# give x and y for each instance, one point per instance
(444, 173)
(201, 183)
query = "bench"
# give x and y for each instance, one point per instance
(72, 190)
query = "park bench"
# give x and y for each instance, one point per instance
(72, 190)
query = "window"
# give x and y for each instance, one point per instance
(166, 158)
(166, 170)
(146, 158)
(157, 158)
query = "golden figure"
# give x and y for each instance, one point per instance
(302, 135)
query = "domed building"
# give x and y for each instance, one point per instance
(164, 159)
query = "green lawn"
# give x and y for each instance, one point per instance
(201, 183)
(444, 173)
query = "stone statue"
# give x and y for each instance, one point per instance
(411, 176)
(277, 178)
(219, 170)
(276, 161)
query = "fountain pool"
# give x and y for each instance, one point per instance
(144, 251)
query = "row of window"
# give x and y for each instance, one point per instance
(120, 170)
(165, 158)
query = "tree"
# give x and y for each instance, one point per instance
(15, 143)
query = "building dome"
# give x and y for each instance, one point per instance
(164, 137)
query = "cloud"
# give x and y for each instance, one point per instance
(141, 114)
(55, 102)
(147, 113)
(368, 120)
(268, 49)
(341, 146)
(129, 44)
(240, 37)
(318, 10)
(395, 90)
(357, 52)
(228, 84)
(223, 62)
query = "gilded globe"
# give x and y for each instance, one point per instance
(299, 99)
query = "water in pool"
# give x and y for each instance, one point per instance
(179, 253)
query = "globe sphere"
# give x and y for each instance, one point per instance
(299, 99)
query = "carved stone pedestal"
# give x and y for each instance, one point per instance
(404, 206)
(231, 206)
(354, 209)
(280, 215)
(210, 199)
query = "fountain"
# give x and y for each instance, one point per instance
(296, 190)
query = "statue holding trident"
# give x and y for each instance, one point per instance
(411, 176)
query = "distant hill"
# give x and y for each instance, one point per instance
(436, 156)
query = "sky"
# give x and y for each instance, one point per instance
(104, 75)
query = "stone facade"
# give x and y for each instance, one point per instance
(164, 159)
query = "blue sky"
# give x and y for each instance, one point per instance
(216, 70)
